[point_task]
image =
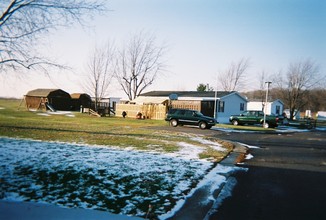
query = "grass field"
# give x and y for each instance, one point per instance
(108, 163)
(75, 127)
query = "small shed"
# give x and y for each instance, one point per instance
(53, 99)
(79, 100)
(275, 107)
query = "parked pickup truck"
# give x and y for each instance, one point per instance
(254, 117)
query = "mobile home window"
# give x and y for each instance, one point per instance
(241, 106)
(278, 110)
(221, 105)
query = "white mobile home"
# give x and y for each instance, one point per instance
(219, 104)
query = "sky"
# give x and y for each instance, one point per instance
(202, 37)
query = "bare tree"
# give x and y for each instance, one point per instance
(24, 22)
(138, 64)
(299, 79)
(232, 79)
(100, 71)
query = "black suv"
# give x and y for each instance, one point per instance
(189, 117)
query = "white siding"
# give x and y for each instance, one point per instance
(270, 109)
(256, 106)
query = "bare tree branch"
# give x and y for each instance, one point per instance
(232, 79)
(299, 79)
(24, 22)
(138, 64)
(100, 71)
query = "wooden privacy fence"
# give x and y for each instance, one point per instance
(148, 111)
(156, 111)
(185, 104)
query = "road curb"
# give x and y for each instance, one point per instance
(237, 155)
(194, 208)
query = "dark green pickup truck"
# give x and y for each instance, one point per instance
(254, 117)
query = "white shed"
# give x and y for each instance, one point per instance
(275, 107)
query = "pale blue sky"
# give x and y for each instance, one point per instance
(203, 38)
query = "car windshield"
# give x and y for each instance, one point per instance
(199, 113)
(245, 113)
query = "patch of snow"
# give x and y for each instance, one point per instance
(60, 113)
(248, 146)
(290, 129)
(49, 113)
(320, 128)
(188, 151)
(212, 181)
(103, 177)
(232, 130)
(43, 114)
(212, 144)
(280, 129)
(249, 156)
(225, 193)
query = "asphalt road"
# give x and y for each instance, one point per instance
(286, 177)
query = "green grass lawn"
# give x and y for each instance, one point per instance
(17, 122)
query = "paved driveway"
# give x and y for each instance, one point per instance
(286, 177)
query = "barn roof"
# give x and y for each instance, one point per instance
(78, 95)
(211, 94)
(149, 100)
(42, 92)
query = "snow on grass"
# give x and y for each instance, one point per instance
(279, 129)
(249, 157)
(43, 114)
(101, 178)
(320, 128)
(65, 113)
(233, 130)
(287, 129)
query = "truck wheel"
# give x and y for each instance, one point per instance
(235, 122)
(266, 125)
(174, 123)
(202, 125)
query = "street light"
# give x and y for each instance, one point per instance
(265, 106)
(215, 100)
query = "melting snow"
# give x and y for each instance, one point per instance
(103, 178)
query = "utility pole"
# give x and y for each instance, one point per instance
(265, 106)
(215, 100)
